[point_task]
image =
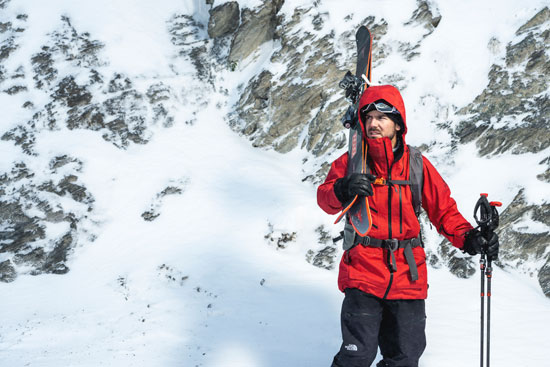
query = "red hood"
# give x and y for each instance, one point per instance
(388, 93)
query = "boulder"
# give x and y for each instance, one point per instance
(224, 19)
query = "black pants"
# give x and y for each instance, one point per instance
(397, 326)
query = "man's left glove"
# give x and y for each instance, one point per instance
(475, 243)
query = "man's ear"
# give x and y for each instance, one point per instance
(397, 127)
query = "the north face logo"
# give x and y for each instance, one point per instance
(351, 347)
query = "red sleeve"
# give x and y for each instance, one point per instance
(326, 198)
(441, 207)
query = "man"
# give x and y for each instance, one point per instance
(384, 274)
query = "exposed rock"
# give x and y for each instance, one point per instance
(43, 68)
(67, 186)
(279, 238)
(546, 175)
(517, 242)
(378, 28)
(539, 19)
(62, 161)
(10, 32)
(325, 257)
(185, 31)
(544, 277)
(426, 16)
(119, 83)
(275, 115)
(256, 28)
(72, 94)
(521, 246)
(3, 3)
(171, 274)
(192, 42)
(54, 262)
(459, 264)
(23, 236)
(302, 106)
(121, 114)
(8, 45)
(176, 187)
(158, 93)
(224, 19)
(7, 272)
(513, 112)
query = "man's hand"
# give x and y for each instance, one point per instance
(347, 187)
(475, 243)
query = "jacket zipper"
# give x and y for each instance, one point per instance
(400, 212)
(389, 217)
(389, 193)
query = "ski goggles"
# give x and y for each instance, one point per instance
(380, 106)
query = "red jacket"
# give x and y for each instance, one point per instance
(392, 213)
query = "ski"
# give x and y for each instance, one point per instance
(358, 209)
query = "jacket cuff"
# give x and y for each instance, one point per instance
(338, 188)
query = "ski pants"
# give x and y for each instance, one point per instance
(368, 322)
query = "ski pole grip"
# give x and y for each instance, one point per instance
(484, 209)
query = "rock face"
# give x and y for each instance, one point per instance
(525, 238)
(34, 201)
(302, 105)
(276, 112)
(224, 19)
(121, 113)
(513, 112)
(293, 103)
(256, 28)
(512, 115)
(23, 239)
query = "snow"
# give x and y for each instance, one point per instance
(529, 225)
(200, 285)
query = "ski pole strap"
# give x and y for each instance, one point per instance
(392, 245)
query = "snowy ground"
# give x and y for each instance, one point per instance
(200, 285)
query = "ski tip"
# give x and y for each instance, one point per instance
(345, 210)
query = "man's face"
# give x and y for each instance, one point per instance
(378, 125)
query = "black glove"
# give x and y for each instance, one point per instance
(475, 243)
(355, 184)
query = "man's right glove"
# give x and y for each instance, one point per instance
(475, 243)
(347, 187)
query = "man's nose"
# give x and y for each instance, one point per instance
(374, 121)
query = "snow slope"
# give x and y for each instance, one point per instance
(201, 285)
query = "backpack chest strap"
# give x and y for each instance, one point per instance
(383, 181)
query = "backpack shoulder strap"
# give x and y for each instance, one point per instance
(416, 177)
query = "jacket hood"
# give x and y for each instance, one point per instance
(388, 93)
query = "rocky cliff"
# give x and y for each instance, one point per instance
(291, 103)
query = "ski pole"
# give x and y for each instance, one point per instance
(482, 323)
(488, 221)
(489, 273)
